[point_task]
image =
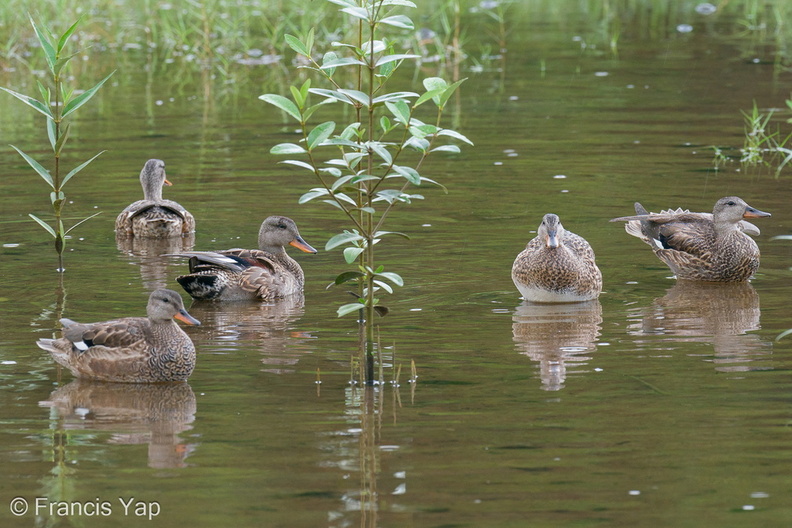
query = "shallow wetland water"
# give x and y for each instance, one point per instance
(660, 404)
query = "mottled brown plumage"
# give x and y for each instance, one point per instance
(153, 216)
(701, 246)
(557, 266)
(260, 274)
(131, 350)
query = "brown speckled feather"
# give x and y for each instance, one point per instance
(131, 350)
(154, 217)
(260, 274)
(557, 266)
(701, 246)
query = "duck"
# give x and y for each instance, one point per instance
(153, 216)
(262, 274)
(557, 266)
(701, 246)
(147, 349)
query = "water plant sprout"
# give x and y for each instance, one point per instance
(57, 103)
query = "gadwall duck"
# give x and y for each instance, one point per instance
(260, 274)
(154, 217)
(557, 266)
(701, 246)
(130, 350)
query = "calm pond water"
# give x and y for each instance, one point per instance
(661, 404)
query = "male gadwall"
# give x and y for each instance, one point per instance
(701, 246)
(557, 266)
(154, 217)
(131, 350)
(260, 274)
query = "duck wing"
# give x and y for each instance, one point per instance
(125, 333)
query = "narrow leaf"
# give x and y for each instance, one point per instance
(79, 168)
(82, 221)
(403, 3)
(36, 167)
(282, 103)
(332, 63)
(43, 224)
(51, 133)
(392, 58)
(399, 21)
(49, 51)
(58, 147)
(298, 96)
(396, 96)
(380, 234)
(298, 163)
(33, 103)
(447, 148)
(65, 37)
(83, 98)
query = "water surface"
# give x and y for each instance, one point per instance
(661, 404)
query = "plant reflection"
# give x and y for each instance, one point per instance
(721, 314)
(557, 336)
(155, 414)
(148, 253)
(269, 327)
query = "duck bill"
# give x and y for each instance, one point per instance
(302, 245)
(167, 182)
(552, 239)
(186, 318)
(750, 212)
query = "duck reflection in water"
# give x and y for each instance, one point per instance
(558, 336)
(148, 253)
(133, 413)
(704, 312)
(269, 327)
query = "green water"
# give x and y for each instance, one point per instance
(658, 405)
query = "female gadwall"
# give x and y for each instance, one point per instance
(557, 266)
(701, 246)
(260, 274)
(154, 217)
(131, 350)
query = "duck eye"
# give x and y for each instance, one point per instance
(730, 203)
(280, 226)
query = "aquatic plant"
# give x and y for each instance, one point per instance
(366, 172)
(760, 145)
(57, 103)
